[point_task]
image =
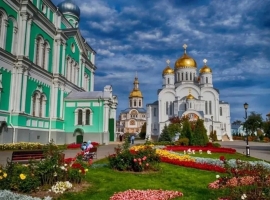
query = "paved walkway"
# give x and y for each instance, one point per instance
(257, 150)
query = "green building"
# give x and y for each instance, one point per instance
(47, 77)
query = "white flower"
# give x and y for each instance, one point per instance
(208, 152)
(54, 174)
(244, 196)
(217, 176)
(200, 151)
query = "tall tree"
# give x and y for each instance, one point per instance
(186, 131)
(266, 128)
(200, 134)
(253, 122)
(165, 135)
(143, 131)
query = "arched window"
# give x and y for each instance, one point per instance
(182, 76)
(206, 108)
(168, 80)
(40, 106)
(132, 122)
(134, 103)
(220, 111)
(190, 76)
(210, 107)
(194, 76)
(39, 52)
(3, 28)
(87, 117)
(206, 79)
(80, 116)
(34, 102)
(140, 103)
(45, 56)
(178, 76)
(186, 76)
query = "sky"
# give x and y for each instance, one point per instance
(139, 36)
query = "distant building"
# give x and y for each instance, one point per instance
(47, 77)
(132, 119)
(187, 91)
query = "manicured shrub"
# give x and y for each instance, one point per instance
(165, 135)
(182, 142)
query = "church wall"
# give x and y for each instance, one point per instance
(10, 10)
(98, 117)
(35, 32)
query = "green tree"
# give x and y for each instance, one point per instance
(173, 129)
(200, 134)
(165, 135)
(143, 131)
(253, 122)
(186, 131)
(266, 128)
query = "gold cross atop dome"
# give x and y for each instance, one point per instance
(189, 91)
(190, 96)
(205, 61)
(185, 48)
(168, 62)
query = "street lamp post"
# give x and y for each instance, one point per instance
(247, 147)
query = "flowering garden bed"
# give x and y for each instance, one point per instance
(198, 148)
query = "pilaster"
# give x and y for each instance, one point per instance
(28, 31)
(18, 88)
(13, 88)
(62, 87)
(64, 59)
(4, 34)
(22, 32)
(25, 77)
(56, 63)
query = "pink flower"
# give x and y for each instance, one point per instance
(144, 158)
(147, 164)
(140, 163)
(135, 160)
(139, 160)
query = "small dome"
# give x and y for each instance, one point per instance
(68, 6)
(135, 93)
(190, 96)
(205, 68)
(167, 70)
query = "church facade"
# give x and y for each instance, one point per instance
(47, 74)
(187, 91)
(133, 118)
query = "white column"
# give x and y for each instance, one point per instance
(18, 89)
(22, 33)
(55, 100)
(57, 56)
(28, 31)
(70, 71)
(76, 77)
(64, 59)
(92, 80)
(25, 76)
(13, 89)
(61, 101)
(106, 123)
(15, 40)
(82, 74)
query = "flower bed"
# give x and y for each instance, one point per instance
(198, 148)
(78, 146)
(146, 194)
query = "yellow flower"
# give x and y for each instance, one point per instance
(5, 175)
(86, 170)
(22, 176)
(80, 171)
(0, 170)
(1, 177)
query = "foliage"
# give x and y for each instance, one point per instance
(186, 131)
(266, 128)
(142, 134)
(173, 129)
(251, 180)
(200, 136)
(253, 122)
(182, 142)
(165, 135)
(213, 136)
(5, 194)
(137, 161)
(216, 145)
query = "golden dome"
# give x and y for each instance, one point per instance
(205, 68)
(135, 93)
(185, 61)
(190, 96)
(168, 70)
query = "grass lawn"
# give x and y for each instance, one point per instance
(191, 182)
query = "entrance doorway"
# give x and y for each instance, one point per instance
(78, 132)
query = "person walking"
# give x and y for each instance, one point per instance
(132, 139)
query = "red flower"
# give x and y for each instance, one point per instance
(222, 158)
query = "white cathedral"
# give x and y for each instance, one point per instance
(185, 92)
